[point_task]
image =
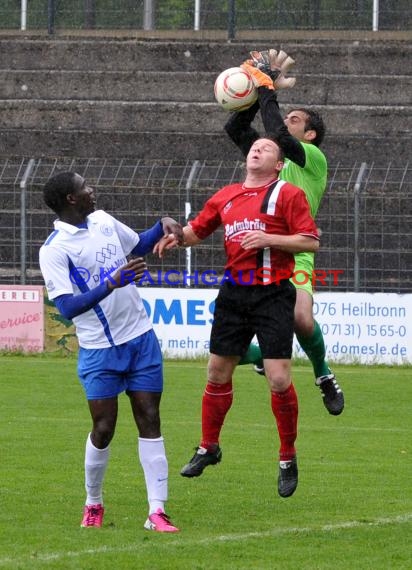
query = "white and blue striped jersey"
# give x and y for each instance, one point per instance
(93, 253)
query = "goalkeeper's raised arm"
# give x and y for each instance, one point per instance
(268, 70)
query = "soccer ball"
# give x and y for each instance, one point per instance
(234, 89)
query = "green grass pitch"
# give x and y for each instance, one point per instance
(352, 508)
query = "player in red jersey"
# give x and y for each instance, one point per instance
(266, 221)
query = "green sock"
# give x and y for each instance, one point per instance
(253, 355)
(314, 347)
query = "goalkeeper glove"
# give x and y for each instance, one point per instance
(259, 78)
(274, 64)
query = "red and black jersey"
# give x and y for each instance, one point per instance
(277, 208)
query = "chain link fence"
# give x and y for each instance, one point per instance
(365, 217)
(230, 15)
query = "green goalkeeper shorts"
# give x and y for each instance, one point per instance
(302, 277)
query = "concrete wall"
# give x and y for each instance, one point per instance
(128, 97)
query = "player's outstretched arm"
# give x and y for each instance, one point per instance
(275, 65)
(273, 122)
(240, 130)
(170, 241)
(150, 237)
(268, 70)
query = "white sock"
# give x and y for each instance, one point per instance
(152, 457)
(95, 463)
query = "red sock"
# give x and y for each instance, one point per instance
(217, 399)
(285, 410)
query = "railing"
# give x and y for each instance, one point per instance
(365, 217)
(230, 15)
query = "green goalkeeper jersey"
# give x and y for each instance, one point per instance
(311, 178)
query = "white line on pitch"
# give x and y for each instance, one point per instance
(400, 519)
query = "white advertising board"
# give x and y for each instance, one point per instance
(21, 318)
(369, 328)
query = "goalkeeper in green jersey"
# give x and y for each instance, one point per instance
(299, 134)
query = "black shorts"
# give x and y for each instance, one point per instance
(266, 311)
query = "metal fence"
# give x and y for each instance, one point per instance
(365, 217)
(230, 15)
